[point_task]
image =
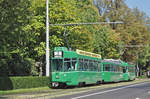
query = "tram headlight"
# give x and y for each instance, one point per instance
(57, 77)
(56, 53)
(55, 84)
(60, 53)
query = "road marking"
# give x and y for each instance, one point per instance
(108, 91)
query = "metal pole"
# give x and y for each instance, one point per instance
(137, 65)
(47, 40)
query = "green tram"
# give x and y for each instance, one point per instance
(75, 68)
(117, 70)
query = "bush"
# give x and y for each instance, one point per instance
(9, 83)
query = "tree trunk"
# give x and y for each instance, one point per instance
(40, 68)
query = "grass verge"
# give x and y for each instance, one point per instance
(21, 91)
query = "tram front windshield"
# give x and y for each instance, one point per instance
(57, 65)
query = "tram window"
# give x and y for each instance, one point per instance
(124, 70)
(117, 68)
(107, 67)
(96, 66)
(74, 62)
(113, 68)
(99, 66)
(86, 65)
(91, 66)
(103, 67)
(81, 64)
(67, 64)
(57, 64)
(110, 67)
(120, 69)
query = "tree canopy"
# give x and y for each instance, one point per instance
(22, 32)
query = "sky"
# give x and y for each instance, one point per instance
(143, 5)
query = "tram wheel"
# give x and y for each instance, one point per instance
(98, 82)
(81, 84)
(63, 86)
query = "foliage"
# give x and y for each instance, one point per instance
(17, 66)
(22, 32)
(133, 31)
(9, 83)
(13, 17)
(106, 43)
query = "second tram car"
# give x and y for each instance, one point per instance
(117, 70)
(112, 70)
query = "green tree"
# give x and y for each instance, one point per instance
(13, 17)
(106, 43)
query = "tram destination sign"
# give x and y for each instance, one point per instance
(88, 53)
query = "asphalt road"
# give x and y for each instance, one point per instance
(135, 91)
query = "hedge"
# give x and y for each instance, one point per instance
(9, 83)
